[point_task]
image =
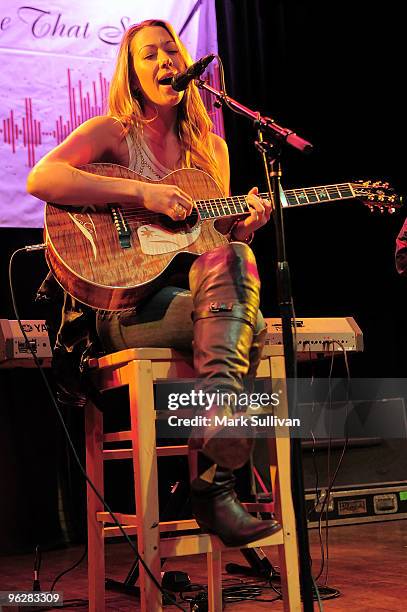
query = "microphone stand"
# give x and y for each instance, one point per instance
(271, 139)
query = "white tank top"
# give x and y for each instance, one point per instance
(143, 161)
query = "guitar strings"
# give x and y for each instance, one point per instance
(203, 207)
(205, 204)
(151, 216)
(218, 205)
(214, 204)
(213, 213)
(217, 210)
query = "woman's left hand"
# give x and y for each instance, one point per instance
(260, 211)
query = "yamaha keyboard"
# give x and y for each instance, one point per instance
(315, 336)
(324, 335)
(13, 347)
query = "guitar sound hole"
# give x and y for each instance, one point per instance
(181, 226)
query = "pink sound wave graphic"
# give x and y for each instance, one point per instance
(28, 131)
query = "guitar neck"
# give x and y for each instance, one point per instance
(237, 205)
(325, 193)
(222, 207)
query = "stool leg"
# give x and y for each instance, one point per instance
(214, 563)
(94, 468)
(288, 552)
(142, 415)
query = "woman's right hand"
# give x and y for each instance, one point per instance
(169, 200)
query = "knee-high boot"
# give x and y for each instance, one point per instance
(225, 290)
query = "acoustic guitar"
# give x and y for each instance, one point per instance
(113, 258)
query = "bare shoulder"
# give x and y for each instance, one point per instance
(101, 122)
(96, 139)
(101, 128)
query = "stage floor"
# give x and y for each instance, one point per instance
(367, 564)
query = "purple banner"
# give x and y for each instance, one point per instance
(57, 60)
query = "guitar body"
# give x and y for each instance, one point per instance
(113, 258)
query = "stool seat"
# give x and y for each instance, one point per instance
(163, 354)
(152, 354)
(139, 369)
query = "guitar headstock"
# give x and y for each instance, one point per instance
(377, 196)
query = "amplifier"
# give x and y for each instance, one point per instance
(13, 345)
(320, 335)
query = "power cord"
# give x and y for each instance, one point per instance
(76, 564)
(197, 595)
(331, 482)
(39, 247)
(243, 591)
(326, 591)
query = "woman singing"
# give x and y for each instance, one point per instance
(154, 130)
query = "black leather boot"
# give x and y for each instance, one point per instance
(217, 509)
(225, 289)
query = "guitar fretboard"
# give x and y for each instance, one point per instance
(311, 195)
(237, 205)
(222, 207)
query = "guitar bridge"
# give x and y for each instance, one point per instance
(121, 226)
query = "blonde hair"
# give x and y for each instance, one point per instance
(193, 123)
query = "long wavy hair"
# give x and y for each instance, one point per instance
(193, 122)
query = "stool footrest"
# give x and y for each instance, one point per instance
(131, 520)
(127, 453)
(206, 543)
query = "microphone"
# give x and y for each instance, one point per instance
(180, 81)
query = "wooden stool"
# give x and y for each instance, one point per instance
(139, 369)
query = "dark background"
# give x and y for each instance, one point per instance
(333, 73)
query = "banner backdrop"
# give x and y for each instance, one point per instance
(56, 62)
